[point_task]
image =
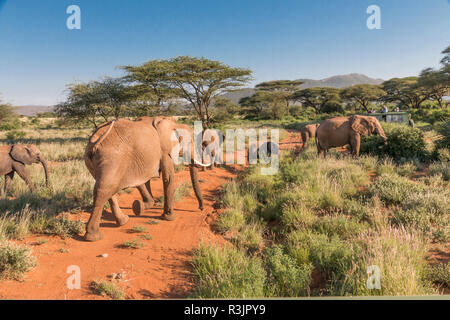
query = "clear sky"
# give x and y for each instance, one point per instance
(277, 39)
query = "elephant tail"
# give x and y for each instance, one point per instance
(96, 143)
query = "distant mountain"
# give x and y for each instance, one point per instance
(237, 95)
(340, 81)
(32, 110)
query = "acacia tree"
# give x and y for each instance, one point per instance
(407, 91)
(266, 104)
(318, 98)
(362, 94)
(284, 88)
(197, 80)
(109, 98)
(152, 82)
(437, 82)
(7, 112)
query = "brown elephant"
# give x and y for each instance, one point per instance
(340, 131)
(124, 153)
(308, 132)
(13, 158)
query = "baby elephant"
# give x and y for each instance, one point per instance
(308, 132)
(13, 158)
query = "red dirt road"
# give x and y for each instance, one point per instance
(157, 271)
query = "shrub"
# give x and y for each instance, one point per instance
(227, 273)
(438, 274)
(440, 168)
(340, 226)
(393, 189)
(109, 289)
(404, 143)
(249, 237)
(15, 135)
(230, 220)
(286, 278)
(14, 261)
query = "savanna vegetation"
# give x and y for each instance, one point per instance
(312, 229)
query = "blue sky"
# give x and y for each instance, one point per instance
(277, 39)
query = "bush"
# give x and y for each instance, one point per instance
(109, 289)
(227, 273)
(14, 261)
(286, 278)
(404, 143)
(15, 135)
(230, 220)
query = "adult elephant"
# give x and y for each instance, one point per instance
(124, 153)
(13, 158)
(340, 131)
(308, 132)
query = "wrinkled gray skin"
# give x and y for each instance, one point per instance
(308, 132)
(127, 153)
(340, 131)
(13, 159)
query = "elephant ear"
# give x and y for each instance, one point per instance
(21, 154)
(360, 125)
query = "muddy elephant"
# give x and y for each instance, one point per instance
(340, 131)
(308, 132)
(13, 158)
(124, 153)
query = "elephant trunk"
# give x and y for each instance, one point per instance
(194, 179)
(44, 165)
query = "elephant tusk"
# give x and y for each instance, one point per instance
(198, 163)
(201, 164)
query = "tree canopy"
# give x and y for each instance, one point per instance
(197, 80)
(317, 98)
(363, 94)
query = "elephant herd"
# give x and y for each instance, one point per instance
(340, 131)
(124, 153)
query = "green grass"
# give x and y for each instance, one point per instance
(109, 289)
(138, 229)
(227, 273)
(327, 217)
(15, 260)
(132, 244)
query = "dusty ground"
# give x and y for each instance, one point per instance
(159, 270)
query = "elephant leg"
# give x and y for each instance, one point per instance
(146, 195)
(355, 142)
(101, 195)
(168, 175)
(8, 180)
(121, 218)
(23, 173)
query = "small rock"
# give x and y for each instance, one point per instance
(105, 255)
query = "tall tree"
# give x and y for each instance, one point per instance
(108, 98)
(264, 104)
(362, 94)
(197, 80)
(407, 91)
(317, 98)
(153, 81)
(285, 88)
(437, 83)
(7, 112)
